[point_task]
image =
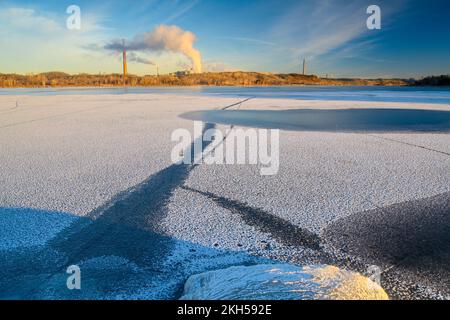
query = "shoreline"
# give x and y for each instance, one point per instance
(223, 86)
(222, 79)
(233, 86)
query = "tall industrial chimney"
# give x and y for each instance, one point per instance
(304, 66)
(124, 62)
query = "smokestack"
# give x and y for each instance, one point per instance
(124, 62)
(304, 66)
(163, 38)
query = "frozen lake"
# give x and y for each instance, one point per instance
(349, 93)
(88, 180)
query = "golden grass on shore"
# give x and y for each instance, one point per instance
(60, 79)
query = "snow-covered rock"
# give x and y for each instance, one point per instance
(281, 282)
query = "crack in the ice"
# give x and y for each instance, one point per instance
(410, 144)
(280, 229)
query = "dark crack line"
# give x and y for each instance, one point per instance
(410, 144)
(56, 116)
(236, 104)
(10, 109)
(280, 229)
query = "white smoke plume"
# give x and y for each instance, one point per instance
(165, 38)
(172, 38)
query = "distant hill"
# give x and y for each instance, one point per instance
(61, 79)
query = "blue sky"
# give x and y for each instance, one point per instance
(252, 35)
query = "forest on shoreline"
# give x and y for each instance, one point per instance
(61, 79)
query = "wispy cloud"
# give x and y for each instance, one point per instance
(315, 28)
(38, 41)
(182, 10)
(251, 40)
(358, 50)
(26, 19)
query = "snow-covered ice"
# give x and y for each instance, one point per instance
(96, 169)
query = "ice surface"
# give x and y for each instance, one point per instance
(65, 156)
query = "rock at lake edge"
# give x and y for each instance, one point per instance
(282, 282)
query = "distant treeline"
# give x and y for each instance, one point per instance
(443, 80)
(60, 79)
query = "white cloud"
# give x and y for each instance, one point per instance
(39, 41)
(28, 19)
